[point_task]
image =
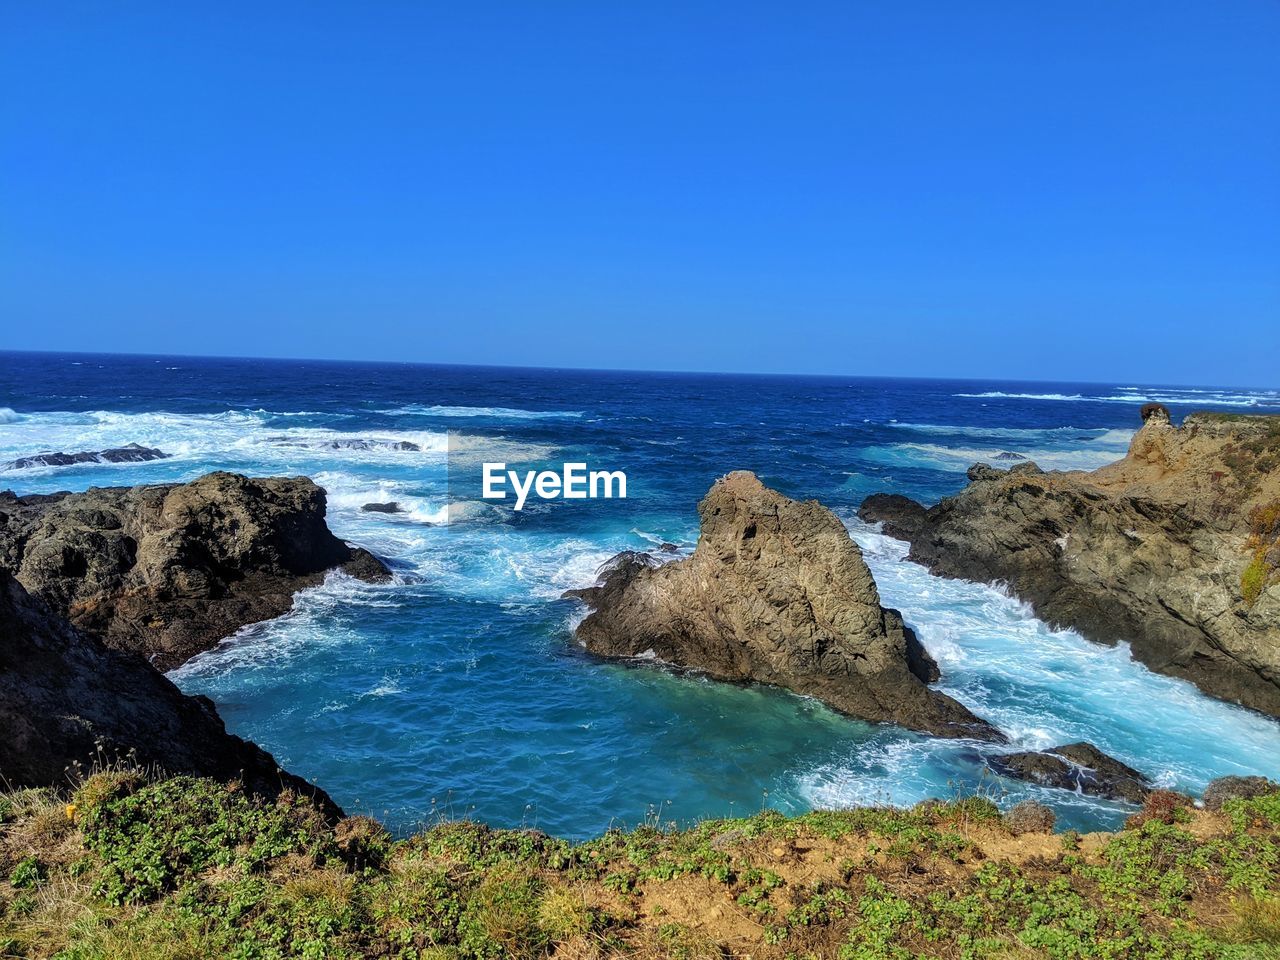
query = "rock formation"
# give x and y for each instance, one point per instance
(391, 506)
(775, 592)
(1175, 548)
(1080, 767)
(129, 453)
(167, 571)
(67, 700)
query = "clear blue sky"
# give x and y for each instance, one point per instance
(1085, 191)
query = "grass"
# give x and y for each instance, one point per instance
(1264, 542)
(134, 867)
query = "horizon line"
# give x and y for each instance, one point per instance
(636, 370)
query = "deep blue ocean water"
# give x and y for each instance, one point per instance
(458, 690)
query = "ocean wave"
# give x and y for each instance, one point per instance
(1174, 396)
(250, 435)
(495, 413)
(328, 614)
(959, 459)
(9, 415)
(1044, 686)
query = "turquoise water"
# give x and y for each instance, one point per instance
(457, 689)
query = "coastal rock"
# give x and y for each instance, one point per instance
(66, 700)
(900, 516)
(775, 592)
(1075, 766)
(1223, 789)
(168, 570)
(389, 507)
(349, 443)
(129, 453)
(1175, 548)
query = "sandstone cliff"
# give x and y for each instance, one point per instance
(67, 700)
(1173, 548)
(167, 571)
(775, 592)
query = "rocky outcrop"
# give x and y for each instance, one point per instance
(1080, 767)
(1174, 548)
(391, 506)
(775, 592)
(129, 453)
(167, 571)
(69, 703)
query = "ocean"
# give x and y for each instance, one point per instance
(457, 690)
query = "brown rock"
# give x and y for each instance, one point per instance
(1075, 766)
(167, 571)
(1155, 549)
(67, 701)
(775, 592)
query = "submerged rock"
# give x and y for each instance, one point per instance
(67, 700)
(168, 570)
(129, 453)
(1174, 549)
(775, 592)
(1075, 766)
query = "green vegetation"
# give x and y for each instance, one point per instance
(185, 868)
(1264, 541)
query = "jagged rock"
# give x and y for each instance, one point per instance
(1009, 455)
(668, 548)
(901, 516)
(67, 700)
(390, 507)
(1223, 789)
(1174, 548)
(1075, 766)
(168, 570)
(775, 592)
(129, 453)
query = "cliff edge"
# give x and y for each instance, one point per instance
(168, 570)
(1175, 548)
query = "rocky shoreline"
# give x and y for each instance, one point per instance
(1173, 549)
(101, 590)
(168, 570)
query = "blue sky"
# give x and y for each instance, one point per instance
(1085, 191)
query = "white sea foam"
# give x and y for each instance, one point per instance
(1226, 398)
(1044, 686)
(496, 413)
(266, 645)
(9, 415)
(249, 435)
(958, 459)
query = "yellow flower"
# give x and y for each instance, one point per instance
(71, 811)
